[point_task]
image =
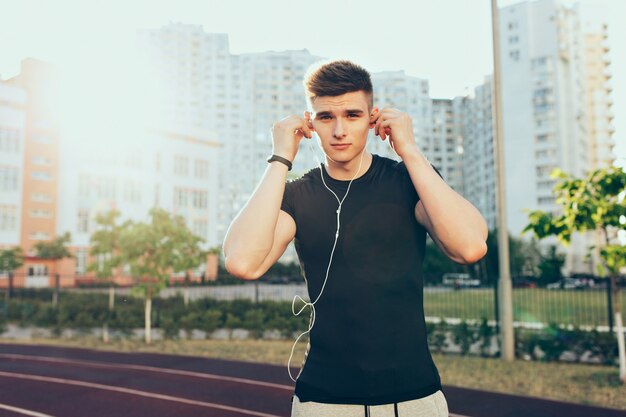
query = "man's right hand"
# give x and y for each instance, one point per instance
(287, 133)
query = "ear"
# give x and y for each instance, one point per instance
(372, 114)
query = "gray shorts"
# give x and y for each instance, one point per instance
(434, 405)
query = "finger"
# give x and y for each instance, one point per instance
(385, 129)
(307, 117)
(305, 128)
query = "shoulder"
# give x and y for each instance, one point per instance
(304, 179)
(391, 165)
(400, 166)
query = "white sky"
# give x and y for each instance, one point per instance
(447, 42)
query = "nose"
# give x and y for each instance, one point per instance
(339, 131)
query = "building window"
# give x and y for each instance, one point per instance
(132, 192)
(41, 160)
(39, 236)
(200, 199)
(41, 198)
(8, 178)
(8, 218)
(181, 197)
(81, 261)
(200, 228)
(43, 139)
(181, 165)
(37, 270)
(201, 169)
(83, 185)
(105, 188)
(514, 55)
(41, 176)
(83, 221)
(41, 213)
(9, 140)
(545, 200)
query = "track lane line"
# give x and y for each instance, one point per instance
(134, 392)
(146, 368)
(24, 411)
(152, 369)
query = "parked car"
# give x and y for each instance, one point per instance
(459, 280)
(571, 284)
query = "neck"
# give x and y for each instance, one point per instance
(345, 171)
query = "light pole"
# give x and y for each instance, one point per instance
(505, 296)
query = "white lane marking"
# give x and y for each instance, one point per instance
(23, 411)
(153, 369)
(134, 392)
(146, 368)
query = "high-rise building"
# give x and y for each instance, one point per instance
(410, 94)
(447, 142)
(473, 115)
(50, 186)
(32, 168)
(548, 68)
(598, 90)
(169, 170)
(12, 132)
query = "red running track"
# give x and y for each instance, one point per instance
(47, 381)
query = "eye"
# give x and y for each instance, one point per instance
(324, 117)
(353, 115)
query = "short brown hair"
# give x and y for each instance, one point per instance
(335, 78)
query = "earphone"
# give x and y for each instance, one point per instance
(338, 211)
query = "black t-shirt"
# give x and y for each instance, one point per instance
(368, 343)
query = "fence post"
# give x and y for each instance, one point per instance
(55, 294)
(609, 290)
(497, 310)
(10, 289)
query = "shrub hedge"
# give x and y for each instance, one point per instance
(87, 311)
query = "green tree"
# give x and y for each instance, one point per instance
(153, 251)
(104, 248)
(436, 263)
(550, 266)
(524, 258)
(55, 250)
(595, 203)
(10, 260)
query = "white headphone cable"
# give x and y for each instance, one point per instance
(312, 320)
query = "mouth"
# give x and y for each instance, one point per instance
(340, 145)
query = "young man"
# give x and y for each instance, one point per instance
(359, 223)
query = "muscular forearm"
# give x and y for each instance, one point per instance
(250, 236)
(455, 221)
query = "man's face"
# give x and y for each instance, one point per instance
(343, 119)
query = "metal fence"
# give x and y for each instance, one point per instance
(532, 307)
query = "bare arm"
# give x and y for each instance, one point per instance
(250, 237)
(260, 232)
(454, 224)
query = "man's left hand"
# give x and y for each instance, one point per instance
(398, 127)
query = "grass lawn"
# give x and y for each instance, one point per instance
(585, 384)
(587, 307)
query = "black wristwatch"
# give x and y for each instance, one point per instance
(280, 159)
